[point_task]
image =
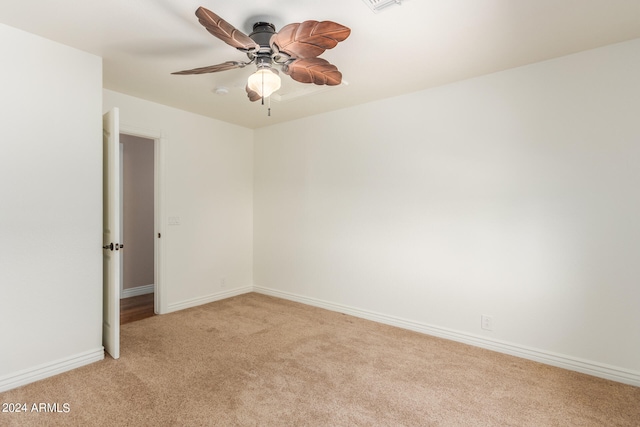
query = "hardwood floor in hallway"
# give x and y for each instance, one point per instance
(136, 308)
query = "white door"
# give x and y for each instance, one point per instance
(111, 233)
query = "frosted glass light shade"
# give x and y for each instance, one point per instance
(264, 78)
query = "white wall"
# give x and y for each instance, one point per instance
(208, 168)
(50, 207)
(513, 195)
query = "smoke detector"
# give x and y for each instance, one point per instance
(377, 5)
(220, 90)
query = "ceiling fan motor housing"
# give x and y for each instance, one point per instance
(262, 33)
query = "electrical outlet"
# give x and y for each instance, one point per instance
(486, 322)
(223, 282)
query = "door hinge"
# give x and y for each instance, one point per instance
(159, 235)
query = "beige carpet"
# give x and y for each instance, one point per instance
(255, 360)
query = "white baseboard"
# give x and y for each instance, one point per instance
(140, 290)
(562, 361)
(208, 298)
(50, 369)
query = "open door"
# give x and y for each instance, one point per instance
(111, 233)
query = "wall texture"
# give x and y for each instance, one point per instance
(513, 195)
(50, 208)
(208, 188)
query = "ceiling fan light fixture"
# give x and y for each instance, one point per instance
(264, 82)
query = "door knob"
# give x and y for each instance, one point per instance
(110, 246)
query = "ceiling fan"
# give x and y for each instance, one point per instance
(295, 49)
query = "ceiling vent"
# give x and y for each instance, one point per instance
(377, 5)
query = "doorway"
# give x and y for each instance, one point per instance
(111, 236)
(138, 219)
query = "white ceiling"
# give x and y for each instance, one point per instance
(420, 44)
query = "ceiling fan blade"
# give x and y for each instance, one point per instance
(313, 70)
(229, 65)
(309, 39)
(225, 31)
(252, 94)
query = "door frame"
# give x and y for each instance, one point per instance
(159, 167)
